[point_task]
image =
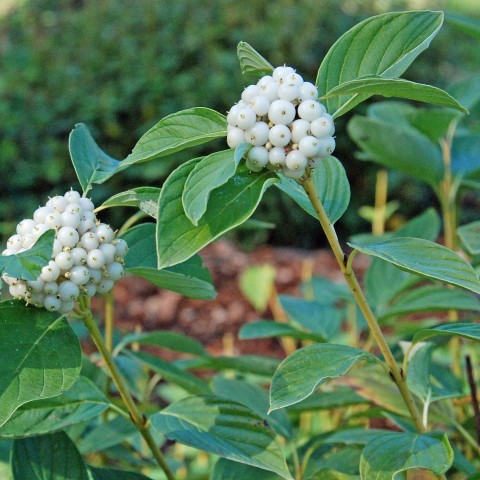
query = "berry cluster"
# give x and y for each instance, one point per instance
(86, 258)
(283, 120)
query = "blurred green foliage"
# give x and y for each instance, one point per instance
(120, 66)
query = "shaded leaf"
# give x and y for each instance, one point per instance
(470, 331)
(41, 356)
(28, 265)
(470, 237)
(144, 198)
(257, 283)
(114, 474)
(91, 164)
(225, 428)
(467, 25)
(227, 470)
(269, 329)
(251, 62)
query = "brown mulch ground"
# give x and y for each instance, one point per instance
(215, 323)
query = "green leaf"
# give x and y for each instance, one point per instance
(425, 258)
(227, 470)
(49, 457)
(256, 283)
(41, 356)
(210, 173)
(255, 398)
(330, 474)
(431, 298)
(352, 436)
(324, 320)
(269, 329)
(225, 428)
(28, 265)
(390, 454)
(177, 132)
(340, 397)
(467, 91)
(380, 141)
(114, 474)
(144, 198)
(189, 278)
(302, 372)
(465, 161)
(332, 186)
(91, 164)
(229, 206)
(176, 342)
(396, 87)
(251, 62)
(470, 331)
(383, 45)
(80, 403)
(173, 374)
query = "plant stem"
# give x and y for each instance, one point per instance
(351, 279)
(137, 418)
(381, 187)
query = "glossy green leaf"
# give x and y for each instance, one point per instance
(395, 87)
(332, 186)
(225, 428)
(49, 457)
(425, 258)
(339, 397)
(257, 283)
(41, 356)
(228, 470)
(431, 298)
(173, 374)
(383, 45)
(380, 142)
(255, 398)
(114, 474)
(91, 164)
(174, 341)
(28, 265)
(144, 198)
(210, 173)
(251, 62)
(189, 278)
(230, 205)
(353, 436)
(470, 331)
(176, 132)
(324, 320)
(303, 371)
(269, 329)
(388, 456)
(80, 403)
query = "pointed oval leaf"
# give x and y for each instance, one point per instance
(49, 457)
(396, 87)
(332, 186)
(425, 258)
(390, 454)
(28, 265)
(80, 403)
(230, 205)
(176, 132)
(383, 45)
(379, 141)
(301, 373)
(114, 474)
(470, 331)
(91, 164)
(251, 62)
(144, 198)
(190, 278)
(431, 298)
(210, 173)
(225, 428)
(470, 237)
(256, 283)
(41, 356)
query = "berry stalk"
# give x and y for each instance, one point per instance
(135, 415)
